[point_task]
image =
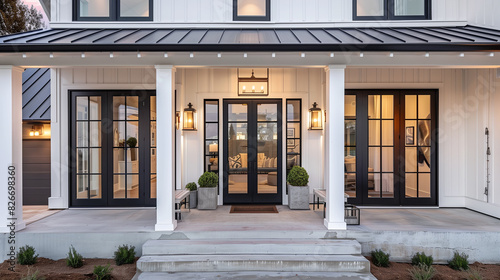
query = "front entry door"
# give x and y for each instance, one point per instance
(252, 151)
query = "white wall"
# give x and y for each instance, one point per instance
(484, 13)
(468, 104)
(282, 11)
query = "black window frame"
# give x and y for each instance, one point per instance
(389, 12)
(114, 15)
(267, 17)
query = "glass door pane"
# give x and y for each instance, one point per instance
(381, 146)
(350, 145)
(237, 145)
(418, 146)
(125, 147)
(267, 148)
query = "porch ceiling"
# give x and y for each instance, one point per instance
(376, 39)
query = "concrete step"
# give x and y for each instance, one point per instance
(252, 247)
(251, 275)
(236, 263)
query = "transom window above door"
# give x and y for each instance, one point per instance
(391, 9)
(113, 10)
(251, 10)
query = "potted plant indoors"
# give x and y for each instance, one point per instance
(193, 194)
(132, 142)
(207, 194)
(298, 190)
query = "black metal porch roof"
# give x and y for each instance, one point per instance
(36, 94)
(460, 38)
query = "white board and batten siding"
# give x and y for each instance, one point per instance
(282, 12)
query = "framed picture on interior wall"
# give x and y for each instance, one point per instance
(290, 143)
(410, 135)
(290, 133)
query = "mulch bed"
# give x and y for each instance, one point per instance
(443, 272)
(57, 270)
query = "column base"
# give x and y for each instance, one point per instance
(58, 203)
(335, 226)
(166, 227)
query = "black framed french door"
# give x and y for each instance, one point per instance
(252, 133)
(113, 148)
(390, 147)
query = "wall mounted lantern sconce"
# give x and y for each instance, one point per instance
(36, 130)
(253, 85)
(177, 120)
(189, 118)
(315, 118)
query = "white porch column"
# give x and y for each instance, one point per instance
(165, 185)
(334, 219)
(11, 150)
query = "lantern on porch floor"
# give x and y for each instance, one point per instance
(189, 122)
(315, 117)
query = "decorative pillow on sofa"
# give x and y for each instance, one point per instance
(235, 162)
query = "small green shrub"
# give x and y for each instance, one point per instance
(102, 272)
(298, 176)
(132, 142)
(74, 259)
(421, 258)
(208, 180)
(32, 276)
(26, 255)
(459, 261)
(125, 255)
(473, 274)
(191, 186)
(379, 258)
(422, 272)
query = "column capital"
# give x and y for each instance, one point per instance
(335, 66)
(165, 67)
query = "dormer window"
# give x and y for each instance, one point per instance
(251, 10)
(391, 9)
(113, 10)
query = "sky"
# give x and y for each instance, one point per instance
(37, 5)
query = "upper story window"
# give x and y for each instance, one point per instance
(251, 10)
(113, 10)
(391, 9)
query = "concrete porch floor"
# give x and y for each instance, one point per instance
(398, 231)
(143, 220)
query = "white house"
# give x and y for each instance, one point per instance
(405, 89)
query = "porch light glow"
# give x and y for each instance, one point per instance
(253, 85)
(189, 118)
(36, 130)
(177, 120)
(315, 118)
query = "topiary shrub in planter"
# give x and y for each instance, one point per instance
(298, 190)
(207, 193)
(193, 195)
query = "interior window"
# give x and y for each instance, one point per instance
(134, 8)
(251, 10)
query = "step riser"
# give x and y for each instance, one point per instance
(267, 265)
(256, 249)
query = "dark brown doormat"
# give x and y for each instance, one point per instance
(253, 209)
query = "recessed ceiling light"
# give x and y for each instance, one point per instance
(332, 54)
